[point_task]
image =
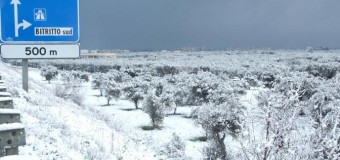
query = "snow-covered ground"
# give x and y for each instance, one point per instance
(60, 129)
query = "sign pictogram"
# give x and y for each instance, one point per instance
(40, 14)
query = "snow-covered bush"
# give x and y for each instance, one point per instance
(326, 138)
(71, 88)
(175, 148)
(324, 110)
(49, 72)
(268, 79)
(252, 80)
(302, 83)
(61, 91)
(324, 71)
(84, 76)
(161, 71)
(78, 97)
(278, 113)
(278, 121)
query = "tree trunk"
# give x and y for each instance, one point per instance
(108, 101)
(266, 150)
(222, 146)
(136, 103)
(153, 122)
(175, 110)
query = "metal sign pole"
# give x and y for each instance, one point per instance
(25, 74)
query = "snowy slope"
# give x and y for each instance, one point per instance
(58, 129)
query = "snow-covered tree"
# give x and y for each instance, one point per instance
(277, 114)
(154, 109)
(110, 83)
(279, 134)
(199, 86)
(221, 94)
(167, 98)
(72, 78)
(112, 89)
(118, 76)
(178, 88)
(98, 81)
(168, 94)
(49, 72)
(325, 111)
(219, 121)
(135, 90)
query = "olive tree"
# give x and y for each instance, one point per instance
(49, 72)
(219, 121)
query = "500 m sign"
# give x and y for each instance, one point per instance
(39, 51)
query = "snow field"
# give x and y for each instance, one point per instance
(132, 121)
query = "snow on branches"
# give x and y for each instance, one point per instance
(219, 121)
(49, 72)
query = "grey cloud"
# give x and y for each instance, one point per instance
(216, 24)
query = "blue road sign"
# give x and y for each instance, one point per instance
(39, 21)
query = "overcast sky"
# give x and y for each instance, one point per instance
(215, 24)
